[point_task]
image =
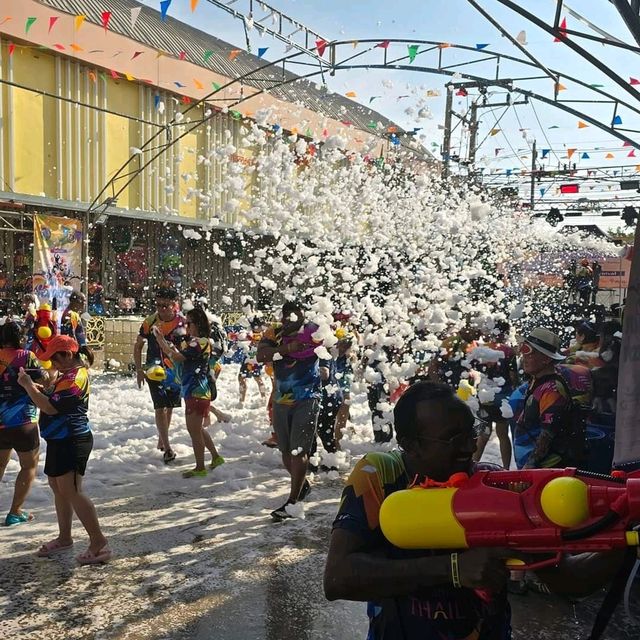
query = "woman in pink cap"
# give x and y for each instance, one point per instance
(65, 427)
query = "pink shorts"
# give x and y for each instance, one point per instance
(199, 406)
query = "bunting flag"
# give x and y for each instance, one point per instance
(494, 132)
(617, 120)
(444, 45)
(560, 87)
(321, 45)
(383, 45)
(179, 85)
(596, 86)
(554, 126)
(76, 47)
(29, 24)
(570, 152)
(631, 154)
(78, 21)
(638, 168)
(545, 153)
(521, 38)
(354, 44)
(135, 14)
(207, 55)
(508, 172)
(351, 94)
(52, 22)
(106, 17)
(496, 151)
(480, 47)
(136, 54)
(235, 114)
(156, 101)
(216, 86)
(542, 191)
(164, 7)
(114, 74)
(92, 77)
(198, 84)
(626, 144)
(585, 156)
(582, 125)
(634, 81)
(129, 77)
(234, 54)
(194, 4)
(11, 48)
(182, 55)
(562, 30)
(462, 92)
(433, 93)
(371, 125)
(59, 47)
(413, 52)
(186, 100)
(609, 156)
(262, 51)
(372, 98)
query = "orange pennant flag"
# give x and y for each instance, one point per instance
(234, 54)
(198, 84)
(570, 152)
(638, 168)
(76, 47)
(92, 76)
(194, 4)
(609, 156)
(78, 21)
(444, 45)
(560, 87)
(350, 94)
(582, 125)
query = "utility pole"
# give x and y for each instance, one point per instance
(473, 135)
(534, 160)
(446, 140)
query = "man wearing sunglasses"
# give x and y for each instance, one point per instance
(157, 372)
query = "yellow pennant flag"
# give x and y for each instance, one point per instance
(76, 47)
(351, 94)
(129, 77)
(198, 84)
(355, 43)
(494, 132)
(234, 54)
(78, 21)
(609, 156)
(582, 125)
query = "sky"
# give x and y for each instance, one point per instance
(506, 135)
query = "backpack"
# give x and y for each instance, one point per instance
(578, 384)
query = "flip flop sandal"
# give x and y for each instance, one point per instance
(52, 548)
(104, 555)
(192, 473)
(14, 518)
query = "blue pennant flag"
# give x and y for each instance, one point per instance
(542, 191)
(156, 100)
(262, 51)
(480, 47)
(617, 120)
(585, 156)
(508, 172)
(164, 7)
(545, 153)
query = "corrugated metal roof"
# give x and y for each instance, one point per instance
(174, 36)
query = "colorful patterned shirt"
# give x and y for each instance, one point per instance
(71, 325)
(193, 373)
(546, 409)
(174, 331)
(437, 613)
(16, 407)
(70, 397)
(297, 375)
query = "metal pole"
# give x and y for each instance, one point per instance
(534, 159)
(446, 139)
(473, 136)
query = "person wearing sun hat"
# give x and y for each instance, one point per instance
(64, 425)
(541, 433)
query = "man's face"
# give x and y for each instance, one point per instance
(533, 361)
(292, 321)
(443, 446)
(165, 308)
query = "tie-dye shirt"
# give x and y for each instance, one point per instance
(70, 397)
(297, 375)
(16, 407)
(193, 373)
(174, 332)
(436, 613)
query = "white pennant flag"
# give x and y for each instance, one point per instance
(135, 14)
(522, 38)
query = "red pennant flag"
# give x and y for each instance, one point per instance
(384, 44)
(52, 22)
(631, 154)
(321, 45)
(186, 100)
(136, 54)
(562, 30)
(12, 48)
(626, 144)
(182, 55)
(634, 81)
(114, 74)
(59, 47)
(106, 16)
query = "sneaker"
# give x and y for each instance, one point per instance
(14, 518)
(194, 473)
(169, 456)
(281, 514)
(304, 492)
(216, 462)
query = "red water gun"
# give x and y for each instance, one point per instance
(534, 511)
(44, 328)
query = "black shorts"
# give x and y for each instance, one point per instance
(68, 454)
(164, 397)
(24, 438)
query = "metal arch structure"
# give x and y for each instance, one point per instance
(262, 78)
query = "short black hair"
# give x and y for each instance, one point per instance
(291, 306)
(10, 335)
(405, 413)
(165, 293)
(588, 330)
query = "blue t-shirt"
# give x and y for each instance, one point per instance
(70, 397)
(16, 407)
(437, 613)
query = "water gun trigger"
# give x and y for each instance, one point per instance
(515, 564)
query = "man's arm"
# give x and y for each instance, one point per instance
(267, 349)
(137, 360)
(356, 572)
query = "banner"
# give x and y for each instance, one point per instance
(57, 258)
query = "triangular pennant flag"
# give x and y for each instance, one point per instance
(29, 24)
(129, 77)
(11, 48)
(156, 101)
(179, 85)
(545, 153)
(508, 172)
(135, 14)
(114, 75)
(562, 30)
(207, 55)
(234, 54)
(634, 81)
(444, 45)
(59, 47)
(92, 76)
(321, 45)
(182, 55)
(626, 144)
(413, 51)
(582, 125)
(235, 114)
(383, 45)
(106, 17)
(262, 51)
(596, 86)
(480, 47)
(216, 86)
(136, 54)
(494, 132)
(372, 125)
(495, 153)
(186, 100)
(521, 38)
(164, 7)
(554, 126)
(585, 156)
(194, 4)
(198, 84)
(52, 22)
(560, 87)
(372, 98)
(617, 120)
(631, 154)
(76, 47)
(609, 156)
(570, 152)
(78, 21)
(351, 94)
(542, 191)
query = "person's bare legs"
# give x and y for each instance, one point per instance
(502, 431)
(208, 444)
(481, 443)
(64, 513)
(261, 388)
(5, 456)
(196, 431)
(341, 421)
(24, 480)
(242, 388)
(163, 421)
